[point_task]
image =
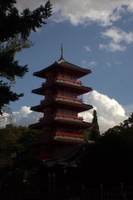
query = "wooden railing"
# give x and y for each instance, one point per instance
(62, 97)
(75, 135)
(60, 115)
(60, 78)
(68, 98)
(68, 116)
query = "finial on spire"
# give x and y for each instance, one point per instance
(61, 58)
(61, 50)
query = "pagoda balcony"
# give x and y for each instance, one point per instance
(65, 134)
(60, 115)
(64, 116)
(68, 98)
(70, 81)
(62, 97)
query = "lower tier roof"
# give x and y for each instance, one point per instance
(77, 125)
(55, 85)
(71, 105)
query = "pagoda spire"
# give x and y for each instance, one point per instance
(61, 58)
(61, 50)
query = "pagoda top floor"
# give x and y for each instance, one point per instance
(62, 66)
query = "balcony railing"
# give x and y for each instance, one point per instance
(60, 78)
(68, 116)
(74, 135)
(68, 98)
(60, 115)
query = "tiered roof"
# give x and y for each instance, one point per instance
(62, 64)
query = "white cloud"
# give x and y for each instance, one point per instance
(4, 119)
(25, 116)
(87, 48)
(116, 36)
(77, 12)
(109, 111)
(86, 64)
(112, 47)
(104, 12)
(108, 64)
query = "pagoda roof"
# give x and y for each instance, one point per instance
(72, 105)
(69, 156)
(64, 65)
(79, 89)
(64, 122)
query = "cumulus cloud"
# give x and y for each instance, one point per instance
(109, 111)
(116, 36)
(87, 48)
(86, 64)
(108, 64)
(25, 116)
(105, 12)
(112, 47)
(5, 119)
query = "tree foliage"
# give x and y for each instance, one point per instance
(92, 133)
(95, 133)
(15, 28)
(18, 155)
(15, 146)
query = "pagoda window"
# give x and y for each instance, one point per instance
(68, 94)
(67, 112)
(67, 76)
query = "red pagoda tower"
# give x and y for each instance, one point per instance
(60, 123)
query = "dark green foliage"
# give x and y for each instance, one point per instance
(92, 133)
(95, 133)
(15, 28)
(16, 148)
(12, 23)
(18, 155)
(7, 95)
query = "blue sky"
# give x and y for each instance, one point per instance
(97, 35)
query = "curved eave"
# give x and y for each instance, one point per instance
(81, 124)
(79, 89)
(65, 65)
(77, 124)
(71, 105)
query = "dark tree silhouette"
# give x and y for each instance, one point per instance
(15, 28)
(95, 133)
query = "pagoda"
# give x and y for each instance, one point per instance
(60, 124)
